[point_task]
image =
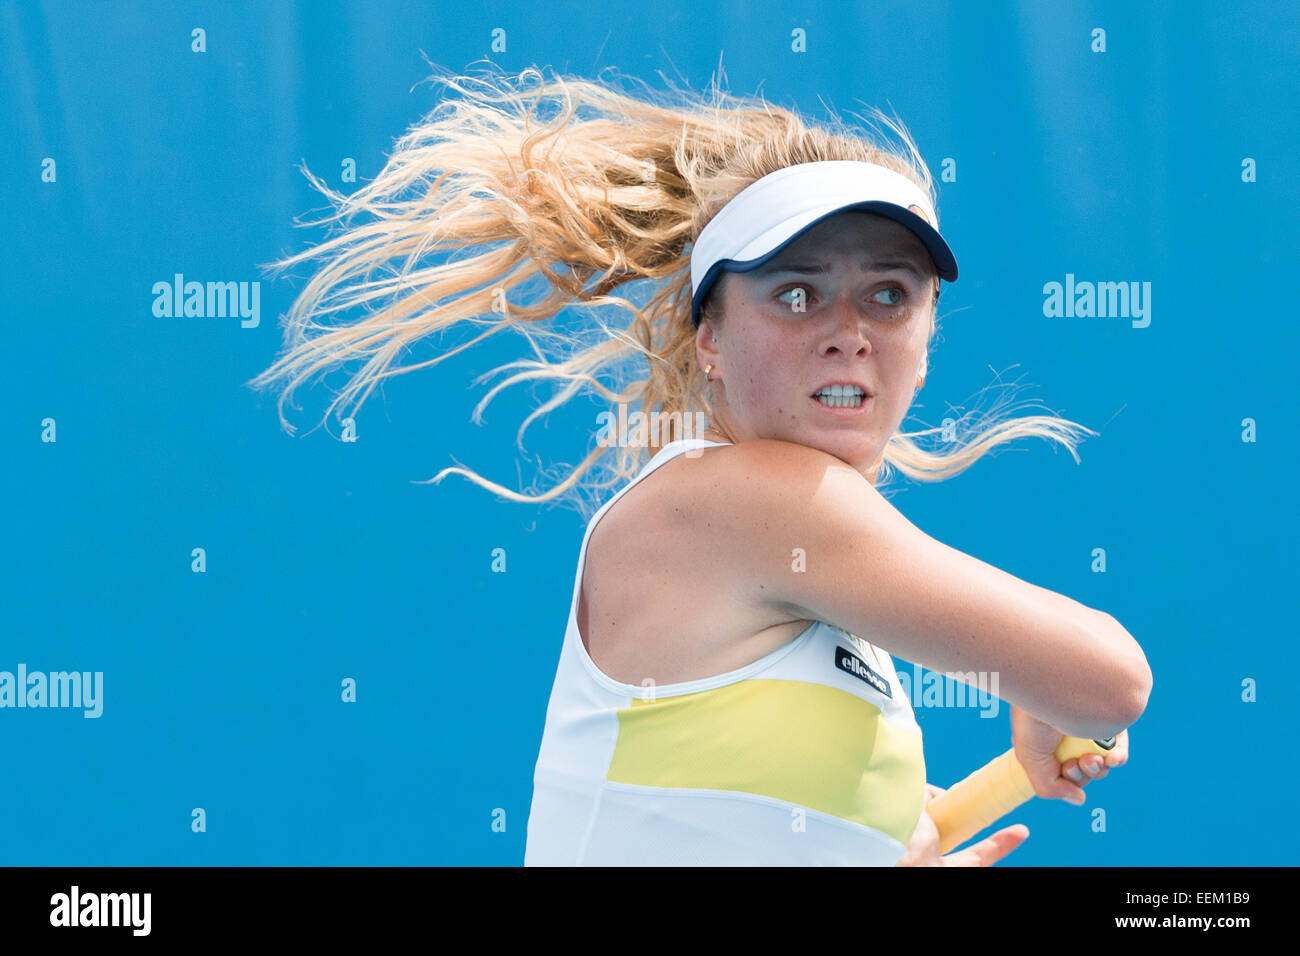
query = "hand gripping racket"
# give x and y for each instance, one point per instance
(993, 791)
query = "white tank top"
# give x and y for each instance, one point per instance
(810, 755)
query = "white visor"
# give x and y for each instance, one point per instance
(770, 213)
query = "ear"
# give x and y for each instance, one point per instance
(706, 344)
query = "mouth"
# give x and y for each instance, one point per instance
(842, 397)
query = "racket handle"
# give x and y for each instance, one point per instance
(993, 791)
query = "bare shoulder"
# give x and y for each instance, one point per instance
(767, 503)
(768, 462)
(739, 485)
(661, 596)
(722, 528)
(705, 503)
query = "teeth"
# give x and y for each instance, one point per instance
(841, 390)
(844, 401)
(841, 396)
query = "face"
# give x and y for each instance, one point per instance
(849, 301)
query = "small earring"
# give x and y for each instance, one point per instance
(707, 370)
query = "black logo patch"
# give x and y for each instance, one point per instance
(848, 661)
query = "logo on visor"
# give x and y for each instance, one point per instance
(920, 212)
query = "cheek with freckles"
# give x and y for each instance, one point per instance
(759, 378)
(752, 389)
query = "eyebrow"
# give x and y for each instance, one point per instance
(822, 268)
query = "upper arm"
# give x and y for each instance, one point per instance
(797, 528)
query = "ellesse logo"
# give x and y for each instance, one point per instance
(920, 212)
(846, 660)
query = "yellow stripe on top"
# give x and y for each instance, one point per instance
(806, 743)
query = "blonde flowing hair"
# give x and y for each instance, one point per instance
(572, 195)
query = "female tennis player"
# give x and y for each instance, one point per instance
(725, 691)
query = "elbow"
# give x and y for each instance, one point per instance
(1128, 701)
(1111, 692)
(1139, 691)
(1132, 685)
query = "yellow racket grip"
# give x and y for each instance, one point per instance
(993, 791)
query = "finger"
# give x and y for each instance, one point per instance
(1062, 788)
(1118, 754)
(1082, 769)
(1071, 793)
(1088, 767)
(1094, 766)
(1046, 777)
(990, 850)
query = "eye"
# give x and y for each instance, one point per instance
(791, 288)
(899, 292)
(902, 294)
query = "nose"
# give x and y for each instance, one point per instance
(848, 327)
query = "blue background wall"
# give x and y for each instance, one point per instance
(325, 561)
